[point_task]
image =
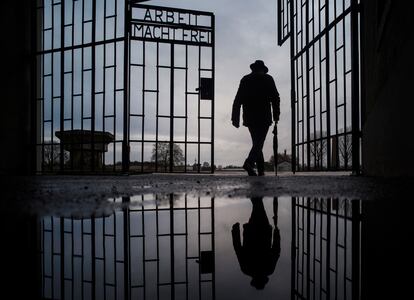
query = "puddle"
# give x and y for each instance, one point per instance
(183, 247)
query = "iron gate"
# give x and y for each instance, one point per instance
(171, 89)
(325, 82)
(111, 100)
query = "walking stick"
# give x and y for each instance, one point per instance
(275, 146)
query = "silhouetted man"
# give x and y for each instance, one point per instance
(257, 255)
(256, 93)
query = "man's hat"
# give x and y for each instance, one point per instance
(259, 65)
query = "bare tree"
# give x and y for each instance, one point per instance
(342, 206)
(345, 148)
(318, 148)
(161, 154)
(51, 155)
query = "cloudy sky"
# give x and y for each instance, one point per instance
(245, 31)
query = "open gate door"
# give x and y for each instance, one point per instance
(325, 83)
(171, 90)
(120, 86)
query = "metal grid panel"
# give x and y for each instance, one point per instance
(326, 249)
(86, 79)
(325, 85)
(158, 250)
(79, 83)
(168, 112)
(283, 15)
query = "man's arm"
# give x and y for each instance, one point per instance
(275, 100)
(238, 248)
(235, 233)
(238, 100)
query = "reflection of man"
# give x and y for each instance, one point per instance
(257, 93)
(257, 255)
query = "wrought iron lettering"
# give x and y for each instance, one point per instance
(170, 26)
(170, 33)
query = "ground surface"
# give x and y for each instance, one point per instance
(88, 194)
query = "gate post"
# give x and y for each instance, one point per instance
(292, 91)
(125, 141)
(355, 86)
(172, 71)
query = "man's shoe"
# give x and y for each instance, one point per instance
(249, 168)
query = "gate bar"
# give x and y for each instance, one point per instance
(328, 93)
(93, 73)
(292, 91)
(125, 142)
(157, 106)
(213, 68)
(355, 86)
(172, 71)
(62, 83)
(308, 156)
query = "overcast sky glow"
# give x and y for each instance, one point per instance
(245, 31)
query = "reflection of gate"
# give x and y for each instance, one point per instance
(161, 249)
(116, 83)
(325, 100)
(325, 249)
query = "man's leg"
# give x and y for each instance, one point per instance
(255, 150)
(260, 137)
(260, 164)
(258, 218)
(252, 157)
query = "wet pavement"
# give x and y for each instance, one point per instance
(85, 195)
(207, 237)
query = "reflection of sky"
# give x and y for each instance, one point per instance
(231, 282)
(228, 277)
(245, 31)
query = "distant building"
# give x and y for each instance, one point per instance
(284, 166)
